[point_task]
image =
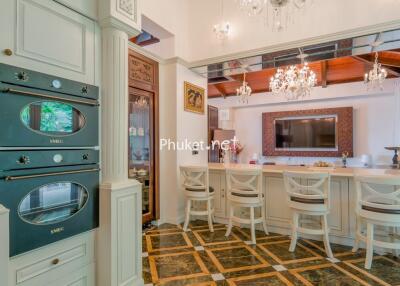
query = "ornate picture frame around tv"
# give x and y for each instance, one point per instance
(308, 133)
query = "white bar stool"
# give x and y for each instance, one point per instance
(378, 203)
(195, 184)
(308, 193)
(245, 191)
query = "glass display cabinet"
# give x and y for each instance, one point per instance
(143, 131)
(141, 153)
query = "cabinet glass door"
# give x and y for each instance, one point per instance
(140, 145)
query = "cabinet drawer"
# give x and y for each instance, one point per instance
(81, 277)
(50, 263)
(47, 264)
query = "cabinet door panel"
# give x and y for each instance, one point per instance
(339, 212)
(217, 182)
(48, 37)
(278, 212)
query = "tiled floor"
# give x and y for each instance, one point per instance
(198, 257)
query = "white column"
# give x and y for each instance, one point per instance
(4, 245)
(114, 102)
(119, 236)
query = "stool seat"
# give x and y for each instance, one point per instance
(210, 189)
(380, 210)
(307, 201)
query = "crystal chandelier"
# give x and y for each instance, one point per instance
(244, 91)
(294, 83)
(222, 29)
(278, 12)
(376, 76)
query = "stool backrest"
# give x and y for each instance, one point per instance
(195, 178)
(377, 192)
(244, 182)
(308, 187)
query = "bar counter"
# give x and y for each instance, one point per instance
(349, 172)
(342, 216)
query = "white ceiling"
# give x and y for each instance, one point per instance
(191, 22)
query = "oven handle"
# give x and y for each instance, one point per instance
(20, 92)
(11, 178)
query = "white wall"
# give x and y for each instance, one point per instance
(172, 16)
(376, 119)
(177, 125)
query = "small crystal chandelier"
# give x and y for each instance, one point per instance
(294, 83)
(376, 76)
(244, 91)
(222, 29)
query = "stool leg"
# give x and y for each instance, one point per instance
(325, 228)
(358, 233)
(393, 230)
(295, 225)
(252, 226)
(264, 220)
(370, 246)
(231, 210)
(187, 218)
(209, 213)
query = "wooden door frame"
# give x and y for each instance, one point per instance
(153, 88)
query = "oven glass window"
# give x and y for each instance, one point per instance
(52, 118)
(53, 203)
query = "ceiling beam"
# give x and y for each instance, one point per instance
(371, 64)
(221, 90)
(324, 72)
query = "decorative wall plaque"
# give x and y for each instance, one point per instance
(126, 6)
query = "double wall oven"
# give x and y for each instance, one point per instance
(49, 158)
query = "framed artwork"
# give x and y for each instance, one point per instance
(194, 97)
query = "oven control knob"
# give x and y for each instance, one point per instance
(22, 76)
(57, 158)
(24, 160)
(85, 89)
(85, 157)
(56, 84)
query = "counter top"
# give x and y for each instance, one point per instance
(334, 171)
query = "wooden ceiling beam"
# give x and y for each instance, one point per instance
(221, 90)
(324, 73)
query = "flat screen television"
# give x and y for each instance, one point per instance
(307, 133)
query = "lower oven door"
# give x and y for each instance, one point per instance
(49, 205)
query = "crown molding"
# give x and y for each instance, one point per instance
(362, 31)
(111, 22)
(154, 57)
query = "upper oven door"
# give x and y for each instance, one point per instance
(39, 118)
